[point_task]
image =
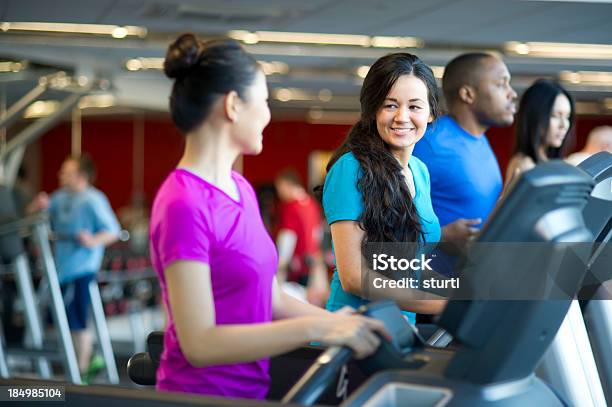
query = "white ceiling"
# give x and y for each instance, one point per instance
(447, 28)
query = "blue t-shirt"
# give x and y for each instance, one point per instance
(465, 177)
(71, 213)
(343, 201)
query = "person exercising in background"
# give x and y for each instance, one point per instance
(599, 139)
(299, 238)
(83, 224)
(465, 177)
(215, 260)
(544, 122)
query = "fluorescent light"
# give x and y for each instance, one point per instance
(438, 71)
(133, 64)
(522, 49)
(60, 81)
(143, 64)
(396, 42)
(300, 38)
(274, 67)
(592, 78)
(250, 38)
(120, 32)
(295, 94)
(82, 80)
(560, 50)
(102, 100)
(70, 28)
(138, 64)
(13, 66)
(571, 77)
(325, 39)
(362, 71)
(41, 108)
(283, 94)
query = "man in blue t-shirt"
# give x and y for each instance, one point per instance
(83, 224)
(465, 177)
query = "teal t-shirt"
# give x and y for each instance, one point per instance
(343, 201)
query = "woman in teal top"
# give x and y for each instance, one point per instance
(375, 190)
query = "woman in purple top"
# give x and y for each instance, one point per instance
(215, 260)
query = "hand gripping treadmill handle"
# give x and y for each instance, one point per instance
(319, 376)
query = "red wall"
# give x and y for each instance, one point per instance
(109, 141)
(287, 144)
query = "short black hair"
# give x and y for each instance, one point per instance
(462, 70)
(202, 72)
(86, 166)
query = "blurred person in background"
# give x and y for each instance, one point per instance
(599, 139)
(466, 180)
(545, 118)
(83, 224)
(299, 238)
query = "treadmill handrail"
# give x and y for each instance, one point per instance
(18, 225)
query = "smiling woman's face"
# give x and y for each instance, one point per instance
(402, 119)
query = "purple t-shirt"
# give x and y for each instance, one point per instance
(194, 220)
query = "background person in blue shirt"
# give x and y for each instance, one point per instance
(375, 189)
(83, 224)
(465, 177)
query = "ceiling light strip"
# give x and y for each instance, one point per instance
(96, 29)
(559, 50)
(325, 39)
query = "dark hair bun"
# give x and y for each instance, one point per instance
(182, 55)
(204, 71)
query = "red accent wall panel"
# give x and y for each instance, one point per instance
(286, 144)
